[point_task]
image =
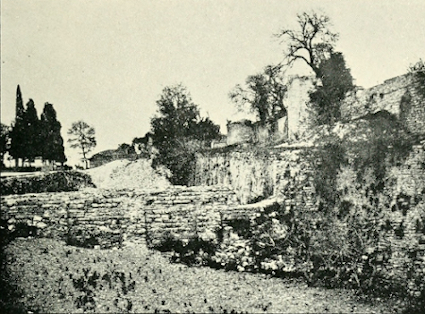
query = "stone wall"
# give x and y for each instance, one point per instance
(115, 216)
(256, 173)
(240, 132)
(399, 96)
(296, 101)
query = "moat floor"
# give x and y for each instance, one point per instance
(49, 276)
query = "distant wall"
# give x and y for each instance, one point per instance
(240, 132)
(398, 95)
(296, 100)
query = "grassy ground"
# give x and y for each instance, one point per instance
(48, 276)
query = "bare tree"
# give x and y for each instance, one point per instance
(83, 137)
(312, 42)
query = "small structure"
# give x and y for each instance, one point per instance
(219, 143)
(124, 151)
(240, 132)
(296, 101)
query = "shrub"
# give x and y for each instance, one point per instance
(61, 181)
(195, 250)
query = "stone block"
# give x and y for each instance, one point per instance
(41, 225)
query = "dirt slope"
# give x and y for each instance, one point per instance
(121, 174)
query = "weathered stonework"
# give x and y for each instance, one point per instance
(240, 132)
(399, 96)
(296, 101)
(254, 174)
(116, 216)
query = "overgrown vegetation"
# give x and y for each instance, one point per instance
(366, 230)
(330, 89)
(178, 131)
(60, 181)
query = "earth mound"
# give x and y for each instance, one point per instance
(123, 174)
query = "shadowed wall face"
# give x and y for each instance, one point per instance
(399, 96)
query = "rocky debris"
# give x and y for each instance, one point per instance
(123, 174)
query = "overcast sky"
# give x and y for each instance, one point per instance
(107, 61)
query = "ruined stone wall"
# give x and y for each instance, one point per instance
(240, 132)
(256, 173)
(398, 95)
(113, 216)
(296, 100)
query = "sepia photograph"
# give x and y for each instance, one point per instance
(212, 156)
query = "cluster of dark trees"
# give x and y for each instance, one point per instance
(30, 137)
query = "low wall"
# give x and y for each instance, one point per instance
(115, 216)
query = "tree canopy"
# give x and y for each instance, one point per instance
(52, 148)
(263, 93)
(17, 134)
(31, 137)
(82, 136)
(32, 132)
(179, 117)
(311, 42)
(336, 81)
(4, 141)
(178, 130)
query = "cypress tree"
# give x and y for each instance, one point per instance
(17, 135)
(32, 132)
(52, 141)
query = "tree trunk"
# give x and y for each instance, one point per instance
(84, 158)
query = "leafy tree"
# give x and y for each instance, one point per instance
(336, 81)
(52, 148)
(264, 93)
(82, 137)
(32, 131)
(125, 149)
(4, 141)
(17, 134)
(178, 131)
(311, 43)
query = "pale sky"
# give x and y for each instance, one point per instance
(107, 61)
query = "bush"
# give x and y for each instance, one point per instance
(193, 251)
(61, 181)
